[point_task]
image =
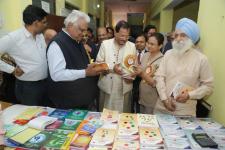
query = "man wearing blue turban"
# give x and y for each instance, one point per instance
(184, 74)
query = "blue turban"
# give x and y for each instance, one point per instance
(190, 28)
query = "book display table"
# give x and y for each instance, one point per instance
(32, 127)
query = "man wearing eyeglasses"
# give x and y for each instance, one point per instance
(27, 48)
(72, 81)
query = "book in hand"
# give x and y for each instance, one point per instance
(180, 88)
(101, 67)
(8, 59)
(41, 122)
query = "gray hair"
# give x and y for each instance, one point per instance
(74, 16)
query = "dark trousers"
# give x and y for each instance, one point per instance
(7, 89)
(135, 106)
(31, 92)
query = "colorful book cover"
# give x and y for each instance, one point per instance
(129, 145)
(127, 128)
(150, 136)
(93, 115)
(77, 114)
(103, 137)
(25, 135)
(59, 113)
(29, 113)
(128, 117)
(86, 128)
(60, 141)
(55, 143)
(62, 133)
(81, 141)
(146, 120)
(38, 140)
(54, 126)
(69, 124)
(110, 116)
(14, 129)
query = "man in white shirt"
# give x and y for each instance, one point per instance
(72, 82)
(27, 47)
(115, 88)
(187, 66)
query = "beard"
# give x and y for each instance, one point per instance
(182, 46)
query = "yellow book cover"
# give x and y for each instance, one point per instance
(25, 135)
(29, 113)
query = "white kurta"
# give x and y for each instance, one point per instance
(191, 68)
(114, 91)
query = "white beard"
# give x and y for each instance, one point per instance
(182, 46)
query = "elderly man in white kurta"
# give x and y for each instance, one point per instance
(115, 90)
(183, 64)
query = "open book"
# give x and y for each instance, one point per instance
(180, 88)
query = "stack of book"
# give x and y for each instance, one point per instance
(127, 127)
(103, 138)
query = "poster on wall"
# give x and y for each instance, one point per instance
(45, 6)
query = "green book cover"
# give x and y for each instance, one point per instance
(77, 114)
(55, 143)
(69, 124)
(61, 133)
(38, 141)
